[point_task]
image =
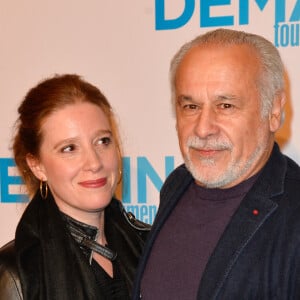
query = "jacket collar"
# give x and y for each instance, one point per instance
(49, 262)
(86, 237)
(244, 224)
(266, 185)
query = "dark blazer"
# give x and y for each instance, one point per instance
(258, 255)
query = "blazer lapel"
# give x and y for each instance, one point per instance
(244, 224)
(236, 236)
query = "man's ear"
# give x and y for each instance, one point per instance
(276, 114)
(36, 167)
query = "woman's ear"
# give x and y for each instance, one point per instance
(36, 167)
(276, 114)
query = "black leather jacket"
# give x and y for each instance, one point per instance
(10, 285)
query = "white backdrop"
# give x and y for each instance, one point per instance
(124, 47)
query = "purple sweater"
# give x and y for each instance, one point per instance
(187, 239)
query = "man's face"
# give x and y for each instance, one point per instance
(222, 135)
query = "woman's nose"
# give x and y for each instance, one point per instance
(93, 160)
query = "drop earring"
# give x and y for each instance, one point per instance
(44, 189)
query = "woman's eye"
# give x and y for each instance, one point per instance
(68, 148)
(104, 141)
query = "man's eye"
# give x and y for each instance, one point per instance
(226, 108)
(190, 107)
(226, 105)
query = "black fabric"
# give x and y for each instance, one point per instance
(10, 287)
(50, 264)
(114, 288)
(127, 241)
(86, 235)
(47, 262)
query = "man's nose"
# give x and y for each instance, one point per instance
(206, 123)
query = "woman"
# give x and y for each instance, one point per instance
(74, 240)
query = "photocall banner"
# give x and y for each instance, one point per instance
(124, 48)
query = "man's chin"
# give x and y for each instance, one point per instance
(208, 176)
(210, 179)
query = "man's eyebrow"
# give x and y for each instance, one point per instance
(227, 97)
(184, 98)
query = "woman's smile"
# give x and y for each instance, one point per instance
(97, 183)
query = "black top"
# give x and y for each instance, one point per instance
(114, 287)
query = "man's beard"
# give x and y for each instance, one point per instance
(234, 170)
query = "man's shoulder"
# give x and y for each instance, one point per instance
(292, 181)
(176, 183)
(178, 174)
(293, 169)
(281, 175)
(10, 287)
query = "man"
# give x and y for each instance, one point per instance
(228, 226)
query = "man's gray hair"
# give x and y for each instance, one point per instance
(271, 79)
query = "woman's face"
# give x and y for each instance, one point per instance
(78, 159)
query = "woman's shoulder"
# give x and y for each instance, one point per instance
(126, 222)
(8, 257)
(130, 218)
(10, 287)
